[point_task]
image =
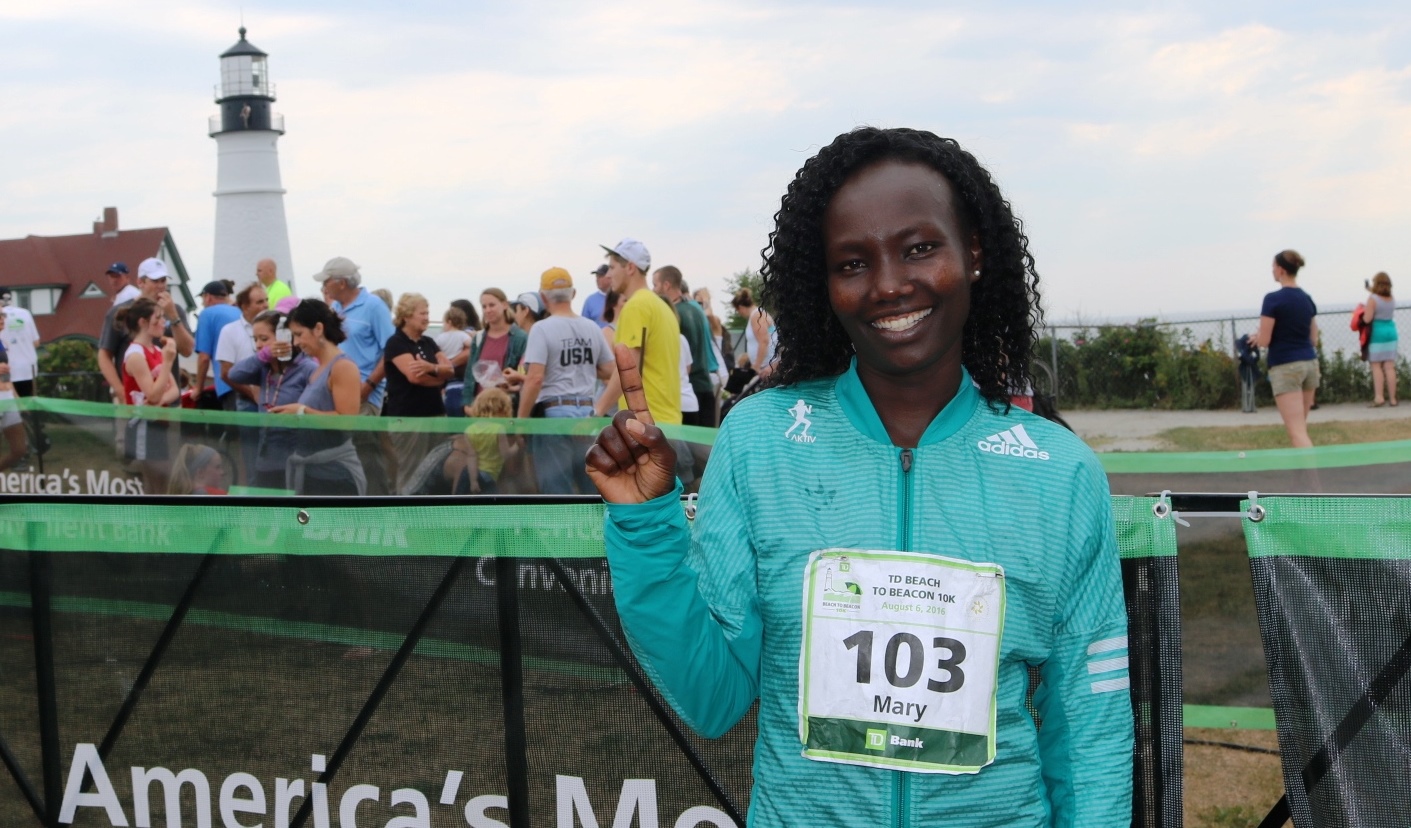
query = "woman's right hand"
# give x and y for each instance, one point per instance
(631, 461)
(169, 350)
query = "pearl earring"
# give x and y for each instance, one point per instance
(977, 273)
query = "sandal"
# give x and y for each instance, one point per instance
(1376, 404)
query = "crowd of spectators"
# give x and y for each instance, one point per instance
(358, 351)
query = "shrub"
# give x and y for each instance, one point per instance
(1140, 366)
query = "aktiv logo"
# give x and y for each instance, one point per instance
(876, 740)
(1012, 442)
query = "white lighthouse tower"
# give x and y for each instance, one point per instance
(250, 223)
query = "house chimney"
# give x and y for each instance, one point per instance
(97, 227)
(110, 222)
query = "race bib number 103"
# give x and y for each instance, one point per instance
(899, 664)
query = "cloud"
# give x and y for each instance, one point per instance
(462, 143)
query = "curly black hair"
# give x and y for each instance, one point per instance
(1004, 302)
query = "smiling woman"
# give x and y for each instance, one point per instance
(885, 458)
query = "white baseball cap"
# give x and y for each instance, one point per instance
(633, 251)
(152, 269)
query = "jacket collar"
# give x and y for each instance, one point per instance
(863, 415)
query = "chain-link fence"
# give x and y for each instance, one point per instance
(1188, 363)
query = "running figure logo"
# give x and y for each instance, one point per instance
(801, 411)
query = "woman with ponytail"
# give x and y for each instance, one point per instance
(1288, 329)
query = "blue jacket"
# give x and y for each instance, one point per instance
(714, 610)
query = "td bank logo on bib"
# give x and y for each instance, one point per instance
(1012, 442)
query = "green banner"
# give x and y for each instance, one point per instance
(557, 531)
(579, 426)
(1140, 533)
(1348, 528)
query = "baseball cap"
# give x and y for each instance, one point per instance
(530, 300)
(600, 271)
(118, 268)
(633, 251)
(152, 269)
(216, 288)
(338, 267)
(555, 278)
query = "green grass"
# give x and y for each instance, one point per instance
(1245, 438)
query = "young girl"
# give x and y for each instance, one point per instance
(478, 457)
(198, 470)
(148, 381)
(454, 342)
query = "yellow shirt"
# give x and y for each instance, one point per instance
(484, 437)
(647, 315)
(277, 291)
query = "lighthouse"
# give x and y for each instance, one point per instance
(250, 223)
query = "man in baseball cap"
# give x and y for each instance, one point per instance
(367, 326)
(123, 282)
(593, 305)
(114, 339)
(565, 357)
(216, 312)
(648, 326)
(632, 251)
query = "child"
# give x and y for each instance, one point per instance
(198, 470)
(478, 456)
(454, 342)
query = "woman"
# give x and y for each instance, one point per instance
(454, 341)
(472, 319)
(1288, 329)
(1380, 313)
(417, 370)
(280, 373)
(527, 309)
(907, 306)
(498, 345)
(761, 340)
(719, 339)
(324, 461)
(613, 303)
(148, 381)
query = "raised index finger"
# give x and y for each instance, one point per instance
(631, 379)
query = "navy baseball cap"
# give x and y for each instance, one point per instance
(118, 268)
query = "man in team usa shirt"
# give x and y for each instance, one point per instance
(565, 356)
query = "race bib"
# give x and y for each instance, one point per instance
(899, 664)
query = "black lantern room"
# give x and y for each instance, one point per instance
(245, 92)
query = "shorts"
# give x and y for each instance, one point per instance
(146, 439)
(1291, 377)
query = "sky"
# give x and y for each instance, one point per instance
(1158, 154)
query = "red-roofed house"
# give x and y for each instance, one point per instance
(61, 280)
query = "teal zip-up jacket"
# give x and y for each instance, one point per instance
(714, 611)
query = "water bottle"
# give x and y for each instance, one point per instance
(284, 335)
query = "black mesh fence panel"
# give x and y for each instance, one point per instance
(1332, 580)
(1151, 587)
